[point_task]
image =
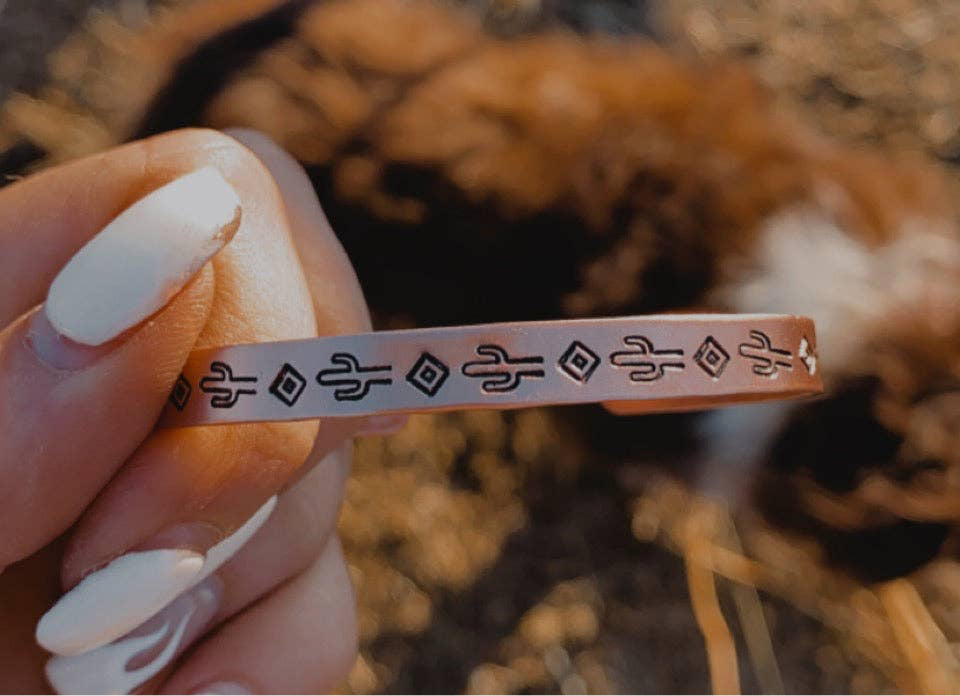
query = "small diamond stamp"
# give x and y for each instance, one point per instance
(288, 385)
(711, 357)
(181, 393)
(579, 362)
(428, 374)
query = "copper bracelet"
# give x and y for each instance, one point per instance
(639, 364)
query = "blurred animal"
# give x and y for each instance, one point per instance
(619, 178)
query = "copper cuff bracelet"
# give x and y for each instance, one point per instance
(640, 364)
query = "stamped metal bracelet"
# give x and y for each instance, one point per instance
(639, 364)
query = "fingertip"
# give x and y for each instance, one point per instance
(255, 140)
(338, 298)
(290, 176)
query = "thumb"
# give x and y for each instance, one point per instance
(84, 377)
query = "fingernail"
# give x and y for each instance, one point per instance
(223, 687)
(222, 552)
(383, 425)
(123, 665)
(142, 258)
(112, 601)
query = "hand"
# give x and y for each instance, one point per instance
(185, 560)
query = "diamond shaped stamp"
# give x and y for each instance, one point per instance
(579, 362)
(711, 357)
(181, 393)
(288, 385)
(428, 374)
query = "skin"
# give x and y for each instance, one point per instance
(287, 593)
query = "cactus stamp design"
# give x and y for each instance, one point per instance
(501, 373)
(647, 363)
(767, 360)
(352, 381)
(225, 388)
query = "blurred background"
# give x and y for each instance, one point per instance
(622, 156)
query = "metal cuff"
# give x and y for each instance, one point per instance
(637, 364)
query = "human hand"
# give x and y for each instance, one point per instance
(122, 518)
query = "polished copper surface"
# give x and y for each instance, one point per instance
(639, 364)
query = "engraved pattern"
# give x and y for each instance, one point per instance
(767, 360)
(712, 357)
(501, 373)
(288, 385)
(674, 362)
(579, 362)
(649, 364)
(181, 393)
(428, 374)
(350, 379)
(808, 355)
(225, 388)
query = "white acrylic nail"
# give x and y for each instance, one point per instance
(222, 552)
(125, 664)
(141, 259)
(113, 601)
(224, 688)
(116, 599)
